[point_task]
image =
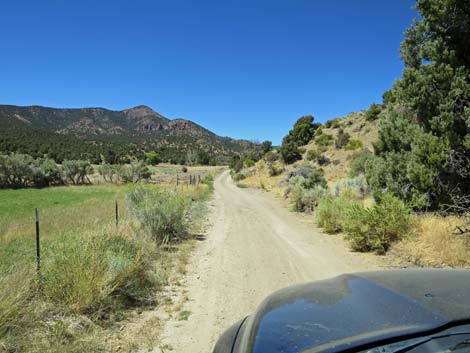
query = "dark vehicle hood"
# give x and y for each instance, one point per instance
(355, 310)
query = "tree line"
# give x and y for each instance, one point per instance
(21, 171)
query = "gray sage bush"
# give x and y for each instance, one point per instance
(305, 200)
(353, 188)
(21, 170)
(109, 172)
(306, 187)
(76, 171)
(161, 212)
(133, 173)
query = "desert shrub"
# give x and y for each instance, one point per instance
(377, 227)
(322, 149)
(317, 156)
(76, 171)
(16, 170)
(290, 152)
(333, 123)
(331, 213)
(314, 179)
(324, 139)
(302, 150)
(89, 272)
(21, 170)
(342, 139)
(271, 156)
(109, 172)
(238, 176)
(47, 172)
(304, 171)
(336, 124)
(305, 200)
(162, 213)
(275, 170)
(359, 163)
(248, 163)
(373, 112)
(266, 146)
(323, 160)
(236, 164)
(133, 173)
(209, 181)
(312, 155)
(353, 188)
(152, 158)
(354, 145)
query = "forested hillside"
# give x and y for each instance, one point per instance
(113, 136)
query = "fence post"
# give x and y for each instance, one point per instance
(38, 244)
(117, 213)
(177, 179)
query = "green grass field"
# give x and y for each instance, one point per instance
(62, 210)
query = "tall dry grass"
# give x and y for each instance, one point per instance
(434, 243)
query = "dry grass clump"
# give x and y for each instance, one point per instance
(434, 243)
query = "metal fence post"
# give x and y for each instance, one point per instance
(38, 244)
(117, 213)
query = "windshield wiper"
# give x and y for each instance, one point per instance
(405, 346)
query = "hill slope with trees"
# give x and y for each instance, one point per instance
(115, 136)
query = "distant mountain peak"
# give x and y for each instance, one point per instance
(141, 111)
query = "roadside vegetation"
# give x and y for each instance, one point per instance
(93, 273)
(397, 175)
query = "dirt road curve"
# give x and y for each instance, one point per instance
(253, 247)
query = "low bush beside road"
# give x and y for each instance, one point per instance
(374, 228)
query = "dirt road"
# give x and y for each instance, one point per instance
(253, 247)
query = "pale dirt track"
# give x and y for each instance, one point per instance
(253, 247)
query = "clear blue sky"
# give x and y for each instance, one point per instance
(246, 68)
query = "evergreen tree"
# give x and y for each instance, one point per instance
(423, 151)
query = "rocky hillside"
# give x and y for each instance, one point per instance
(362, 134)
(97, 130)
(325, 151)
(140, 120)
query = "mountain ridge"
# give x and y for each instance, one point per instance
(139, 125)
